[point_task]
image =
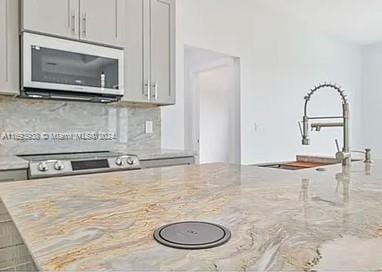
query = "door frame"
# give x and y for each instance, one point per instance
(195, 94)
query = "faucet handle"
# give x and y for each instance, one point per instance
(299, 125)
(341, 155)
(305, 139)
(337, 145)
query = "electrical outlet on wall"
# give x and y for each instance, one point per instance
(149, 127)
(258, 127)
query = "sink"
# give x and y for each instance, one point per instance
(295, 165)
(302, 162)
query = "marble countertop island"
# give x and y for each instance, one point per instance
(280, 220)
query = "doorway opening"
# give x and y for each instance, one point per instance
(212, 106)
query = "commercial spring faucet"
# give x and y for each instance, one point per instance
(341, 155)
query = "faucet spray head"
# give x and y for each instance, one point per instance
(305, 131)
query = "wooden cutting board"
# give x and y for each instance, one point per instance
(302, 164)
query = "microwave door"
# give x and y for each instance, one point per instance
(66, 68)
(71, 70)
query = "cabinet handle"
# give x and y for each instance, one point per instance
(73, 22)
(155, 90)
(148, 86)
(84, 25)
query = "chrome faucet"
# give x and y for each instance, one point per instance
(341, 155)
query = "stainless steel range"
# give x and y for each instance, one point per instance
(67, 164)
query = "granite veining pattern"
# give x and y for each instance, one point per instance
(42, 116)
(126, 123)
(280, 220)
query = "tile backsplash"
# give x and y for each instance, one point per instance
(44, 126)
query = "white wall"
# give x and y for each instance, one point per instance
(289, 59)
(201, 24)
(280, 61)
(372, 98)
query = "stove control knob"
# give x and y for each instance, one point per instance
(130, 161)
(43, 167)
(119, 162)
(59, 166)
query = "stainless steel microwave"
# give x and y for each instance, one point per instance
(64, 69)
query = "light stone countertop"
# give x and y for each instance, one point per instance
(280, 220)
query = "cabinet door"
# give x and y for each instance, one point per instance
(101, 20)
(160, 163)
(9, 47)
(133, 35)
(162, 51)
(54, 17)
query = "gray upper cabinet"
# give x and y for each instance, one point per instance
(144, 28)
(55, 17)
(134, 69)
(101, 21)
(162, 51)
(9, 47)
(150, 51)
(98, 21)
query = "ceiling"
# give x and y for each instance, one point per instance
(358, 21)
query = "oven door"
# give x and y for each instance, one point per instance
(63, 65)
